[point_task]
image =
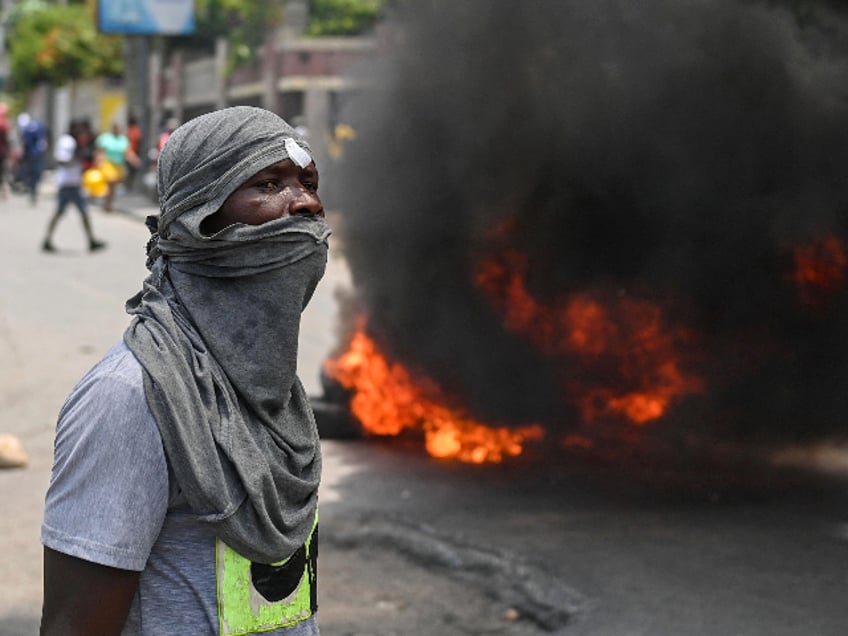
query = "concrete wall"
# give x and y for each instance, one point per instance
(299, 78)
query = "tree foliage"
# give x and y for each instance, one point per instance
(243, 23)
(343, 17)
(57, 44)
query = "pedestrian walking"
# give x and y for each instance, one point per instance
(5, 148)
(183, 497)
(86, 143)
(69, 181)
(34, 136)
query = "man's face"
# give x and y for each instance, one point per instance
(282, 189)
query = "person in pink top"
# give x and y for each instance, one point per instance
(4, 148)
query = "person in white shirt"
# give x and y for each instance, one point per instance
(69, 180)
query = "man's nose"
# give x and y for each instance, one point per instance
(307, 204)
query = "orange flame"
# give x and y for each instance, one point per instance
(645, 356)
(387, 400)
(820, 270)
(619, 339)
(625, 332)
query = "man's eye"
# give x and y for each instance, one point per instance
(267, 185)
(312, 186)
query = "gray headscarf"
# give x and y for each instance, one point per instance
(216, 330)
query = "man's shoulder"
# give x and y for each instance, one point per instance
(108, 492)
(116, 377)
(119, 363)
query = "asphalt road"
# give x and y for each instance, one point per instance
(415, 546)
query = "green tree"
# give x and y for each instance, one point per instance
(343, 17)
(243, 23)
(57, 44)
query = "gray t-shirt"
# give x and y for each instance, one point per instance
(110, 501)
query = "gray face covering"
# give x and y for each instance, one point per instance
(216, 329)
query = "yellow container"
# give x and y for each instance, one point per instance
(94, 183)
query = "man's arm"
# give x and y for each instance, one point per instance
(82, 598)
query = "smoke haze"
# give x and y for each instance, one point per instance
(674, 152)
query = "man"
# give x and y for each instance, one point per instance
(34, 136)
(69, 181)
(183, 498)
(5, 147)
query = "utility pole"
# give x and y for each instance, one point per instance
(154, 95)
(136, 74)
(222, 52)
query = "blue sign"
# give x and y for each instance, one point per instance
(152, 17)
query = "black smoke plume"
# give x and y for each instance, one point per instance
(670, 151)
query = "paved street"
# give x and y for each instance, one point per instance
(415, 546)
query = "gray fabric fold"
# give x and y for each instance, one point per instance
(216, 329)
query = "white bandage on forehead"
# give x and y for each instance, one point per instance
(297, 154)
